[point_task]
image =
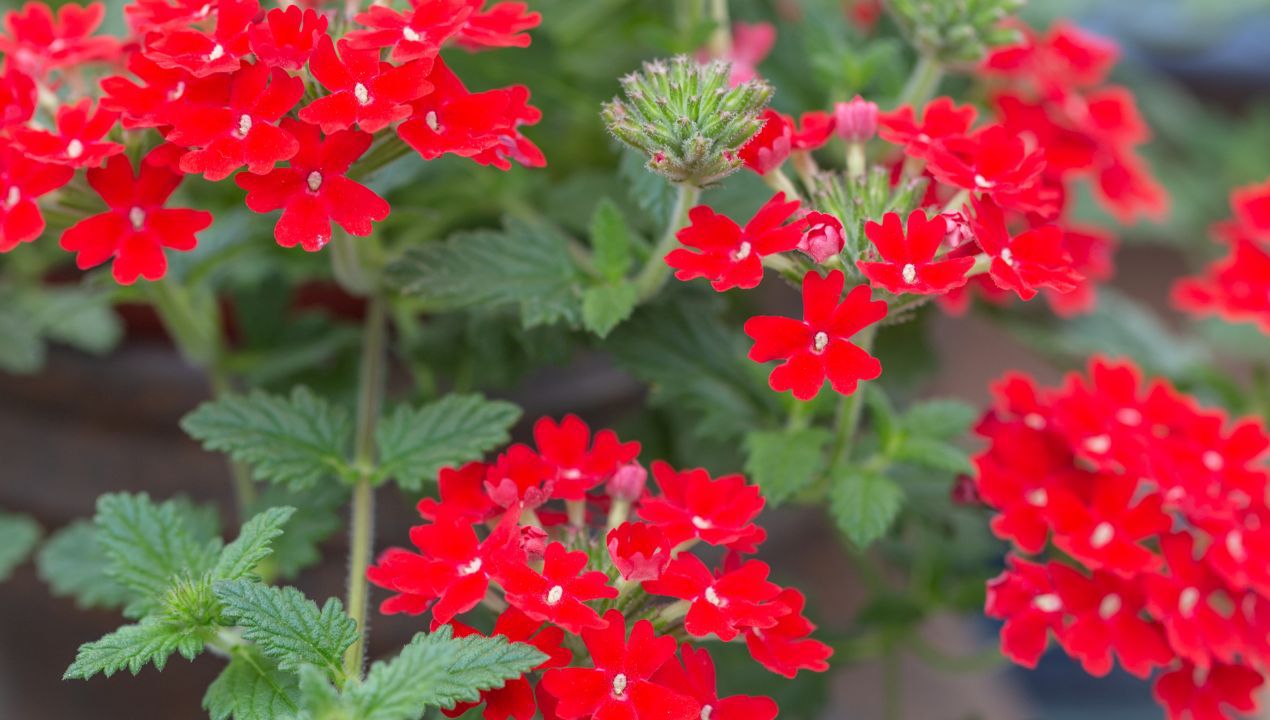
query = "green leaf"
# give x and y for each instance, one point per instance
(148, 545)
(297, 547)
(251, 687)
(527, 265)
(414, 443)
(610, 241)
(785, 462)
(864, 504)
(287, 626)
(82, 318)
(604, 307)
(885, 420)
(254, 544)
(933, 454)
(296, 440)
(21, 349)
(940, 419)
(74, 564)
(132, 646)
(481, 663)
(18, 535)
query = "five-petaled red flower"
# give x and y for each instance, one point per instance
(560, 592)
(692, 506)
(722, 605)
(731, 256)
(910, 265)
(364, 91)
(22, 181)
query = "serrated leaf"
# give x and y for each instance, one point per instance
(287, 626)
(148, 545)
(254, 544)
(73, 564)
(933, 454)
(297, 547)
(18, 535)
(131, 647)
(526, 265)
(864, 504)
(296, 440)
(415, 443)
(251, 687)
(940, 419)
(604, 307)
(481, 663)
(785, 462)
(610, 241)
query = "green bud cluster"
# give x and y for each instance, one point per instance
(855, 201)
(684, 116)
(956, 31)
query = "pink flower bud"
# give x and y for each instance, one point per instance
(959, 230)
(628, 482)
(965, 491)
(533, 540)
(823, 238)
(856, 121)
(639, 551)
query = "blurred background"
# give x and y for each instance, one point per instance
(75, 422)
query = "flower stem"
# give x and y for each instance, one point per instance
(923, 83)
(721, 37)
(851, 408)
(655, 271)
(370, 392)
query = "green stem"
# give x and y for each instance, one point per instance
(923, 83)
(851, 408)
(370, 392)
(893, 685)
(654, 274)
(244, 486)
(721, 38)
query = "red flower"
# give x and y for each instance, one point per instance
(503, 25)
(575, 467)
(243, 132)
(559, 594)
(287, 37)
(722, 605)
(137, 227)
(855, 121)
(818, 346)
(693, 507)
(771, 145)
(363, 90)
(910, 265)
(78, 140)
(1106, 617)
(696, 679)
(1064, 58)
(1107, 533)
(785, 648)
(22, 181)
(17, 97)
(993, 160)
(639, 551)
(1023, 596)
(162, 95)
(481, 126)
(204, 54)
(518, 479)
(1202, 693)
(515, 700)
(1024, 263)
(462, 493)
(823, 238)
(412, 34)
(941, 120)
(1237, 288)
(313, 191)
(37, 43)
(730, 256)
(1187, 603)
(621, 686)
(812, 131)
(1252, 207)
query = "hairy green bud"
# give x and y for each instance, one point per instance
(956, 31)
(684, 116)
(856, 200)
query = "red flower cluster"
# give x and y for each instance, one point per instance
(1159, 508)
(1236, 287)
(220, 87)
(517, 535)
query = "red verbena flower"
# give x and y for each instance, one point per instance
(941, 120)
(412, 34)
(695, 677)
(824, 237)
(22, 182)
(364, 91)
(722, 605)
(462, 493)
(78, 139)
(692, 506)
(35, 42)
(818, 346)
(771, 145)
(909, 253)
(504, 24)
(728, 255)
(639, 551)
(287, 37)
(560, 592)
(1203, 693)
(1023, 263)
(202, 53)
(786, 648)
(577, 464)
(515, 700)
(992, 160)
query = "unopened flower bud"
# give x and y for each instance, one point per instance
(823, 238)
(856, 121)
(627, 484)
(640, 551)
(965, 492)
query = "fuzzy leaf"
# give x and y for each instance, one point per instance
(527, 265)
(784, 462)
(604, 307)
(480, 663)
(940, 419)
(74, 564)
(934, 454)
(864, 504)
(251, 687)
(610, 241)
(287, 626)
(414, 443)
(296, 440)
(254, 544)
(132, 646)
(297, 547)
(18, 535)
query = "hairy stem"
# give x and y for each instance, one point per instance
(851, 408)
(923, 83)
(721, 38)
(370, 393)
(654, 274)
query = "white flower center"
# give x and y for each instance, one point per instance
(472, 567)
(137, 217)
(361, 93)
(1037, 498)
(409, 34)
(554, 595)
(571, 474)
(431, 120)
(1098, 444)
(983, 183)
(315, 181)
(701, 523)
(1235, 546)
(1007, 257)
(244, 125)
(1034, 420)
(909, 273)
(1213, 461)
(819, 342)
(706, 712)
(217, 53)
(1102, 535)
(74, 149)
(713, 598)
(1187, 601)
(1109, 606)
(1049, 602)
(12, 197)
(1129, 416)
(177, 91)
(619, 684)
(742, 252)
